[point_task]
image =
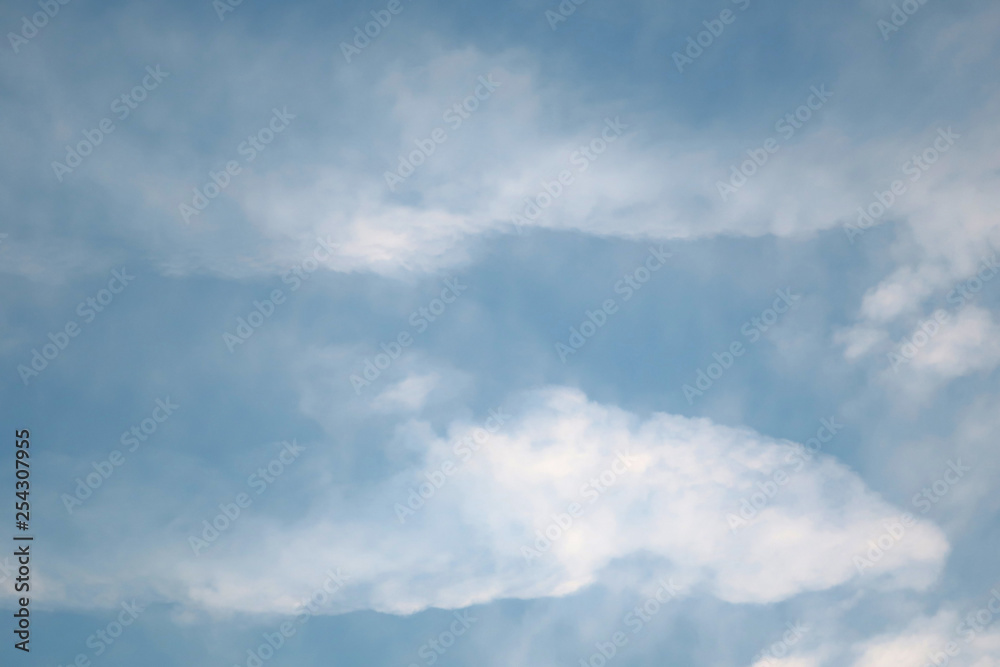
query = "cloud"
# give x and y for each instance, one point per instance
(934, 351)
(945, 638)
(465, 542)
(970, 343)
(408, 395)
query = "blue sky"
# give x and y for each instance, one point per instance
(773, 442)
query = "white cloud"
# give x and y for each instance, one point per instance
(465, 545)
(971, 342)
(945, 638)
(408, 395)
(967, 342)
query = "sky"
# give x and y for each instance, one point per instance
(534, 332)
